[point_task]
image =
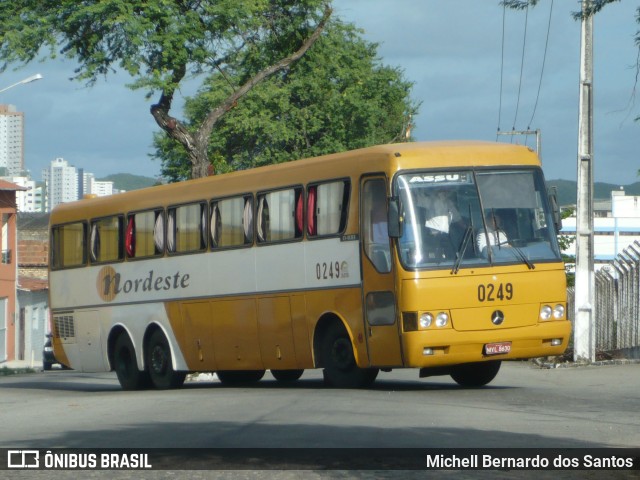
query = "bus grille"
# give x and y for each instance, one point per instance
(63, 326)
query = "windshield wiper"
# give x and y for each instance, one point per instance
(521, 254)
(468, 234)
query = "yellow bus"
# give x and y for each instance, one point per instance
(440, 256)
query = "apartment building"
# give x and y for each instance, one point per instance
(11, 141)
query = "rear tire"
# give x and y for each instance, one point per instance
(475, 375)
(46, 366)
(158, 361)
(287, 376)
(340, 368)
(240, 377)
(126, 367)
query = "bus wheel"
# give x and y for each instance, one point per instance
(239, 377)
(158, 360)
(126, 367)
(475, 374)
(340, 368)
(286, 376)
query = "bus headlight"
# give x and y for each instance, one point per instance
(442, 319)
(425, 320)
(558, 312)
(545, 312)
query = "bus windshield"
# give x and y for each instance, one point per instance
(454, 219)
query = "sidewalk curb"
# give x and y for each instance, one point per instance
(598, 363)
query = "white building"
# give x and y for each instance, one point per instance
(61, 180)
(30, 200)
(101, 189)
(91, 186)
(11, 140)
(66, 183)
(614, 228)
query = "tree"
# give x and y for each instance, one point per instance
(337, 97)
(160, 43)
(564, 242)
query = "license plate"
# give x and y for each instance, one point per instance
(497, 348)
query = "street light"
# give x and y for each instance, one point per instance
(32, 78)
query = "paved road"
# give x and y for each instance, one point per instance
(588, 407)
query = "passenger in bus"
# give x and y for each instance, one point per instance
(444, 225)
(441, 210)
(495, 233)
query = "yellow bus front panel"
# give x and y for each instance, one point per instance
(493, 316)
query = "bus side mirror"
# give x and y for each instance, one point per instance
(555, 209)
(393, 217)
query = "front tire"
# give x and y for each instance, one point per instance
(287, 376)
(126, 367)
(473, 375)
(340, 367)
(158, 361)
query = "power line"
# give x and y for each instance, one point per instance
(524, 44)
(544, 59)
(504, 10)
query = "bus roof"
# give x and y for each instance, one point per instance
(387, 158)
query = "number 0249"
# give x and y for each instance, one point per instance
(491, 292)
(327, 270)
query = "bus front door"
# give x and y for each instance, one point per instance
(383, 338)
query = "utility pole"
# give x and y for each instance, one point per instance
(583, 329)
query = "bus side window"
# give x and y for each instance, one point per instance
(215, 225)
(144, 235)
(158, 232)
(186, 229)
(312, 229)
(247, 219)
(69, 245)
(280, 215)
(327, 208)
(106, 237)
(130, 237)
(231, 222)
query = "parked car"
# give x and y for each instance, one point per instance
(48, 358)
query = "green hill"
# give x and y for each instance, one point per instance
(126, 181)
(568, 190)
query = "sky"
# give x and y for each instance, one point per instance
(468, 81)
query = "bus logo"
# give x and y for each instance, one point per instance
(105, 284)
(497, 317)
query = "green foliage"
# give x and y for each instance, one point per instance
(337, 97)
(155, 41)
(565, 241)
(6, 371)
(595, 7)
(162, 42)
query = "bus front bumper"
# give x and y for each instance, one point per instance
(433, 348)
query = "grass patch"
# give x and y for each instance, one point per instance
(6, 371)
